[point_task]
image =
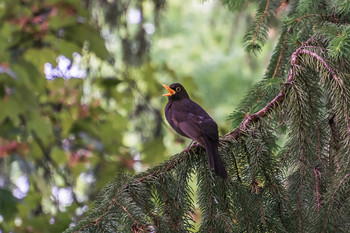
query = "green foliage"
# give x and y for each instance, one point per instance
(7, 204)
(234, 5)
(258, 31)
(341, 7)
(287, 159)
(340, 45)
(297, 185)
(69, 136)
(55, 136)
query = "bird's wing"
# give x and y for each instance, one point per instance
(191, 131)
(192, 120)
(194, 127)
(204, 131)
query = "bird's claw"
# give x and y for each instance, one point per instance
(192, 143)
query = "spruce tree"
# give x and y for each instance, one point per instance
(301, 185)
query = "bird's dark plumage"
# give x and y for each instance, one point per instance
(190, 120)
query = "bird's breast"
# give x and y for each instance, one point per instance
(170, 115)
(173, 120)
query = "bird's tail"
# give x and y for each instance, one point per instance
(215, 161)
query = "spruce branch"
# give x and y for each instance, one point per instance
(306, 16)
(258, 30)
(136, 223)
(287, 34)
(251, 118)
(336, 79)
(325, 221)
(301, 139)
(260, 23)
(318, 126)
(281, 52)
(236, 168)
(151, 176)
(317, 174)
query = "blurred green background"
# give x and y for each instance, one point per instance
(81, 95)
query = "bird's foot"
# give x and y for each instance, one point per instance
(189, 146)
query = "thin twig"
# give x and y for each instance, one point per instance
(281, 53)
(317, 174)
(246, 122)
(301, 140)
(260, 22)
(306, 16)
(331, 202)
(127, 212)
(337, 80)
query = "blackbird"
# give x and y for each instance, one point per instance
(190, 120)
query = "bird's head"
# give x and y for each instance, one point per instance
(175, 91)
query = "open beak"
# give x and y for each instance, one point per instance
(171, 91)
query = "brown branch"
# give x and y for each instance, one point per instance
(246, 122)
(317, 174)
(306, 16)
(282, 7)
(113, 202)
(127, 212)
(256, 117)
(236, 168)
(301, 139)
(281, 53)
(285, 40)
(318, 127)
(260, 22)
(331, 201)
(281, 95)
(227, 225)
(338, 82)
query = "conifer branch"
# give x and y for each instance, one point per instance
(306, 16)
(325, 221)
(128, 213)
(318, 127)
(257, 116)
(236, 168)
(317, 174)
(281, 53)
(336, 79)
(171, 164)
(260, 22)
(177, 159)
(301, 140)
(281, 95)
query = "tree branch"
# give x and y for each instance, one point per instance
(325, 221)
(249, 119)
(177, 159)
(260, 22)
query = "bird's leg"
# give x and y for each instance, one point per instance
(189, 146)
(195, 143)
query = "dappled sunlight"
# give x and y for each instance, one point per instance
(65, 68)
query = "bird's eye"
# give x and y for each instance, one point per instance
(178, 89)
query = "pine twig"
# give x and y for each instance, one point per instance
(282, 52)
(325, 221)
(336, 79)
(260, 22)
(317, 174)
(246, 122)
(281, 95)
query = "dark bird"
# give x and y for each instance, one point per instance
(190, 120)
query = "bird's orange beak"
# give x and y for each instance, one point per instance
(171, 91)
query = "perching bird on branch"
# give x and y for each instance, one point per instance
(190, 120)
